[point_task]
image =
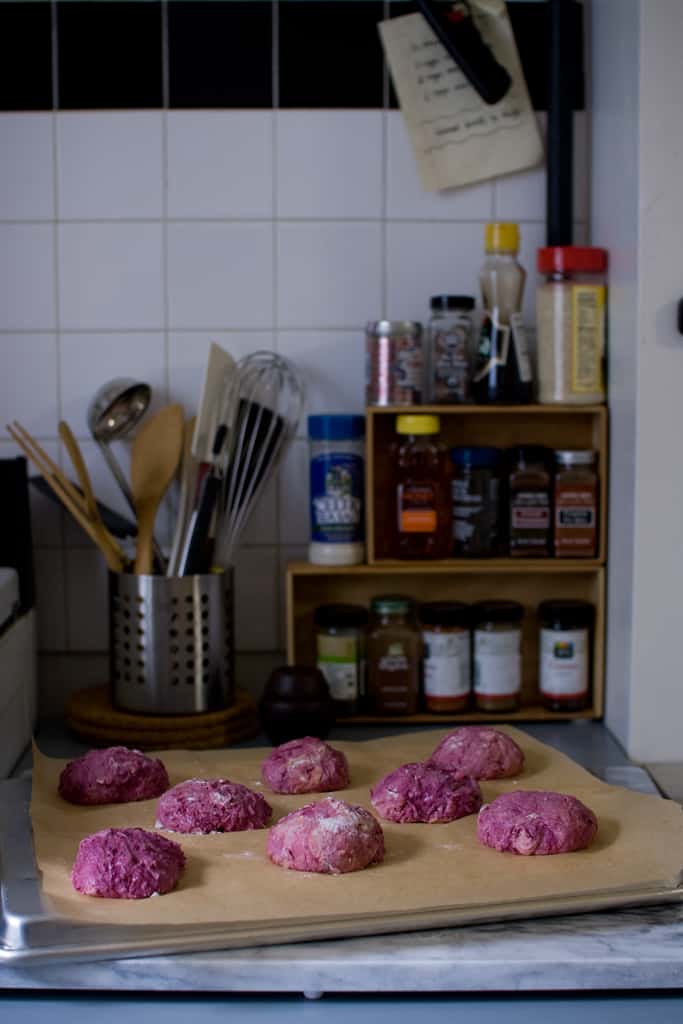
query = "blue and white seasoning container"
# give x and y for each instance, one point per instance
(337, 447)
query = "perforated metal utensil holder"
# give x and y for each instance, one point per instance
(171, 642)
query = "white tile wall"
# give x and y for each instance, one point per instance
(130, 240)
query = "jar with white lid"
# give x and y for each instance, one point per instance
(337, 478)
(570, 322)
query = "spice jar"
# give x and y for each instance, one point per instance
(529, 489)
(340, 646)
(337, 479)
(497, 646)
(394, 362)
(446, 655)
(476, 492)
(423, 490)
(449, 349)
(502, 367)
(576, 504)
(565, 653)
(570, 314)
(394, 653)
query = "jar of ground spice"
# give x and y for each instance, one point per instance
(565, 653)
(394, 653)
(529, 494)
(576, 504)
(446, 657)
(570, 324)
(497, 649)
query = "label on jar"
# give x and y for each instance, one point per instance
(497, 663)
(530, 510)
(450, 359)
(337, 498)
(338, 661)
(475, 511)
(521, 347)
(564, 663)
(575, 519)
(416, 508)
(588, 338)
(492, 351)
(446, 663)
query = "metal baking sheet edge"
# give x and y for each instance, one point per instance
(31, 933)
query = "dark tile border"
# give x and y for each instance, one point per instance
(25, 56)
(330, 54)
(220, 53)
(109, 54)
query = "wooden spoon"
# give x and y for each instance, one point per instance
(81, 470)
(155, 456)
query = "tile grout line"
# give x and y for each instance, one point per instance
(166, 95)
(275, 108)
(384, 158)
(54, 43)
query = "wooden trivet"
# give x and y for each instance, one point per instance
(92, 717)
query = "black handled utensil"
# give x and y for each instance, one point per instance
(454, 27)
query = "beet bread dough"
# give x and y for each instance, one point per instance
(211, 805)
(116, 775)
(479, 751)
(126, 864)
(330, 837)
(536, 822)
(305, 765)
(424, 792)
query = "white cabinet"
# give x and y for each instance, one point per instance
(637, 213)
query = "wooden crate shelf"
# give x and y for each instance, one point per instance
(501, 426)
(309, 586)
(528, 581)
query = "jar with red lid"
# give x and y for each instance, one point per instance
(570, 321)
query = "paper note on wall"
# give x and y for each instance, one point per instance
(458, 138)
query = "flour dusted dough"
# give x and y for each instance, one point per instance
(211, 805)
(306, 765)
(330, 837)
(424, 792)
(536, 822)
(479, 751)
(126, 864)
(116, 775)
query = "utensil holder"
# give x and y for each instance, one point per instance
(171, 642)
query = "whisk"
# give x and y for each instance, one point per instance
(269, 405)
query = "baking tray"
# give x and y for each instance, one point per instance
(31, 932)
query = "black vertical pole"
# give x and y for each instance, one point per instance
(559, 197)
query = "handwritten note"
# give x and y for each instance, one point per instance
(457, 138)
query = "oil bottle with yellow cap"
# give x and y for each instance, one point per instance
(502, 370)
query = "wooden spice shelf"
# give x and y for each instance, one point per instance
(532, 713)
(311, 585)
(462, 566)
(527, 580)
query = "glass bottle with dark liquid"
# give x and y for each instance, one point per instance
(502, 367)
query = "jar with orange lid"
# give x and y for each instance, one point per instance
(423, 490)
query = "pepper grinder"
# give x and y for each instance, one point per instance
(296, 702)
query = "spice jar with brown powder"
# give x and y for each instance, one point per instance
(529, 490)
(394, 653)
(576, 504)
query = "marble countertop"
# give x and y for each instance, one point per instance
(627, 949)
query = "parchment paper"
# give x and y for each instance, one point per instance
(228, 878)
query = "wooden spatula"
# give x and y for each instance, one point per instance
(154, 460)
